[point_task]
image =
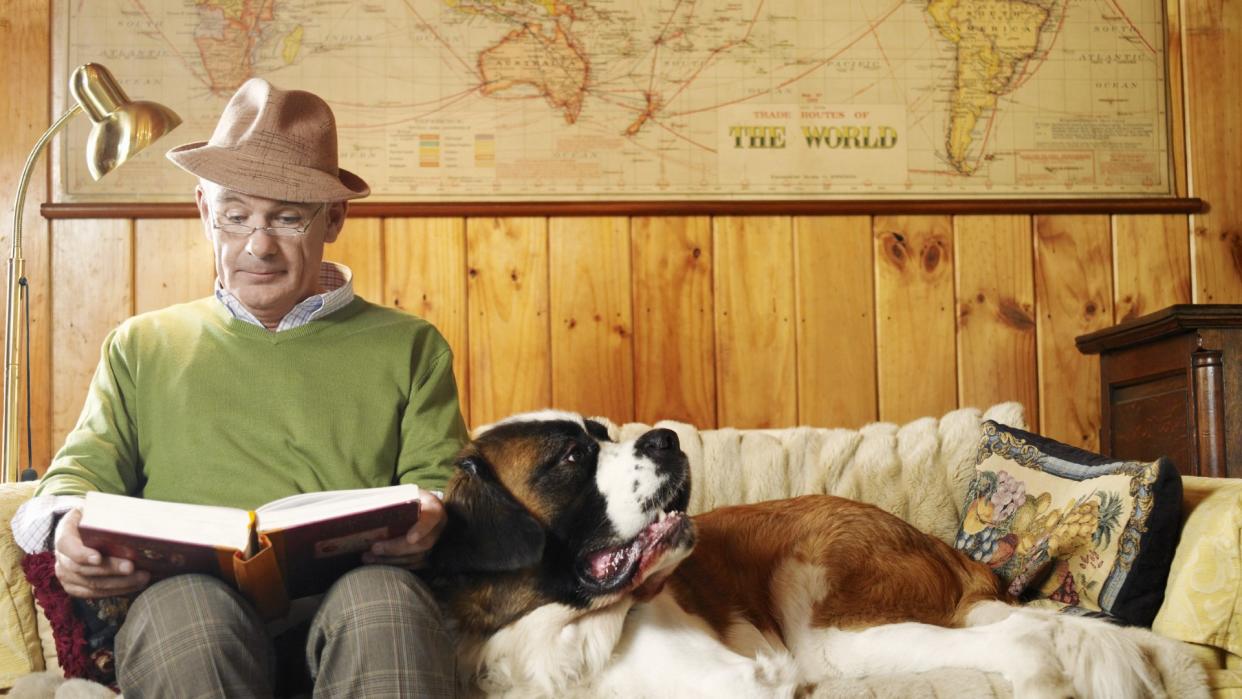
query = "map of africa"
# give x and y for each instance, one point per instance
(501, 100)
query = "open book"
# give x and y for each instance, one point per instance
(288, 548)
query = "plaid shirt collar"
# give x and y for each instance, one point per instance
(336, 279)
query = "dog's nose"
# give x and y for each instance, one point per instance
(657, 441)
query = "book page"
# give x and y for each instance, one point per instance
(299, 509)
(173, 521)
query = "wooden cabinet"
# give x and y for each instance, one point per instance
(1171, 385)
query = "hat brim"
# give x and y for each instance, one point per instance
(243, 171)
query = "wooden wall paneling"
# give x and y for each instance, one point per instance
(1073, 284)
(173, 263)
(425, 274)
(360, 247)
(1151, 264)
(1213, 50)
(835, 288)
(916, 351)
(92, 264)
(996, 312)
(592, 316)
(674, 320)
(507, 293)
(24, 90)
(756, 355)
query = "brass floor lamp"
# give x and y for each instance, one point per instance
(121, 129)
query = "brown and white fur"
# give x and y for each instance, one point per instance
(569, 568)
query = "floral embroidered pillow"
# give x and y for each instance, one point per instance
(1080, 529)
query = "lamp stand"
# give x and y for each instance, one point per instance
(14, 313)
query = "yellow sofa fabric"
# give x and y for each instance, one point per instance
(1203, 600)
(21, 650)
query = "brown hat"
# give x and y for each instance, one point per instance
(275, 144)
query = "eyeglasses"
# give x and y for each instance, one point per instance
(242, 230)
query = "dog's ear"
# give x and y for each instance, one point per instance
(596, 429)
(487, 530)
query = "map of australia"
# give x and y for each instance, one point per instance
(665, 99)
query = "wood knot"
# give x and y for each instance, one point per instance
(1235, 250)
(894, 246)
(931, 257)
(1015, 315)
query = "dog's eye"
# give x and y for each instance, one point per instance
(572, 456)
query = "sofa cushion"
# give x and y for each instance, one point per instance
(1060, 523)
(1203, 599)
(82, 629)
(21, 651)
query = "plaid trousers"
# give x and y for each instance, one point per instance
(377, 633)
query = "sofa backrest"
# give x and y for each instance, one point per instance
(918, 471)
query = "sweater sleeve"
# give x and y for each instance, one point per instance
(432, 429)
(101, 451)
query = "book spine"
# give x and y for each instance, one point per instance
(259, 579)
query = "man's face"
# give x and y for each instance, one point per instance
(268, 273)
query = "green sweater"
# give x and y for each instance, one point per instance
(191, 405)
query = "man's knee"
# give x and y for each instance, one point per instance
(186, 625)
(380, 594)
(379, 627)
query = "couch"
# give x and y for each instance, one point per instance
(919, 471)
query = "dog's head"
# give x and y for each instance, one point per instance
(586, 518)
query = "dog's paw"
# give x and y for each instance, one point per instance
(777, 671)
(1033, 665)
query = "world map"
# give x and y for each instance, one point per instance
(502, 100)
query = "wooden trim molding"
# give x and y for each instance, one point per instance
(1168, 321)
(853, 207)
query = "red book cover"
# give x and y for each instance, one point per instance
(313, 555)
(162, 557)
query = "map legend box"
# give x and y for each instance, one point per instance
(429, 150)
(485, 150)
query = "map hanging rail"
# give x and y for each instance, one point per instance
(855, 207)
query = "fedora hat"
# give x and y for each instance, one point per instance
(273, 143)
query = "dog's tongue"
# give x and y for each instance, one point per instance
(608, 562)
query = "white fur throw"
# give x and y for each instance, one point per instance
(918, 471)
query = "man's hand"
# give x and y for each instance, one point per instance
(84, 572)
(410, 551)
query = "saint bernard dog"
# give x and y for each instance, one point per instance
(569, 568)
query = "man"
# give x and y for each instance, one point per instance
(285, 382)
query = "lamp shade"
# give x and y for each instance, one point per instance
(121, 127)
